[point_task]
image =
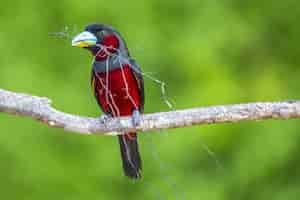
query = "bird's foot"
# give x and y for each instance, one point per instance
(136, 118)
(105, 117)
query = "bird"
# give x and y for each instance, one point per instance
(118, 86)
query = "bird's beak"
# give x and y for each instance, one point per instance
(84, 39)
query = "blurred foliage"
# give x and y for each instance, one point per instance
(208, 52)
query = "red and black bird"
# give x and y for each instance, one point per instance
(118, 85)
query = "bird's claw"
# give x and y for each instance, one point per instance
(136, 118)
(105, 117)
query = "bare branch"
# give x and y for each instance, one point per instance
(39, 108)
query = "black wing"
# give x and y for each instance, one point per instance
(137, 72)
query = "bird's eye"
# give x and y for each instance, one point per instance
(100, 34)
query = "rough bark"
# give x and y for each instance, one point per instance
(39, 108)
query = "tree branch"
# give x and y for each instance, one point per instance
(39, 108)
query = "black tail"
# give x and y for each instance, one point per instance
(132, 164)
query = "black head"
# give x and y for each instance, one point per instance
(92, 35)
(100, 30)
(95, 28)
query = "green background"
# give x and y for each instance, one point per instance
(208, 52)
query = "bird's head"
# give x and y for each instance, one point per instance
(92, 36)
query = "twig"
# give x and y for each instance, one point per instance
(39, 108)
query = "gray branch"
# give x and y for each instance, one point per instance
(39, 108)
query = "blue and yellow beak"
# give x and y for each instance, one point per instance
(84, 39)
